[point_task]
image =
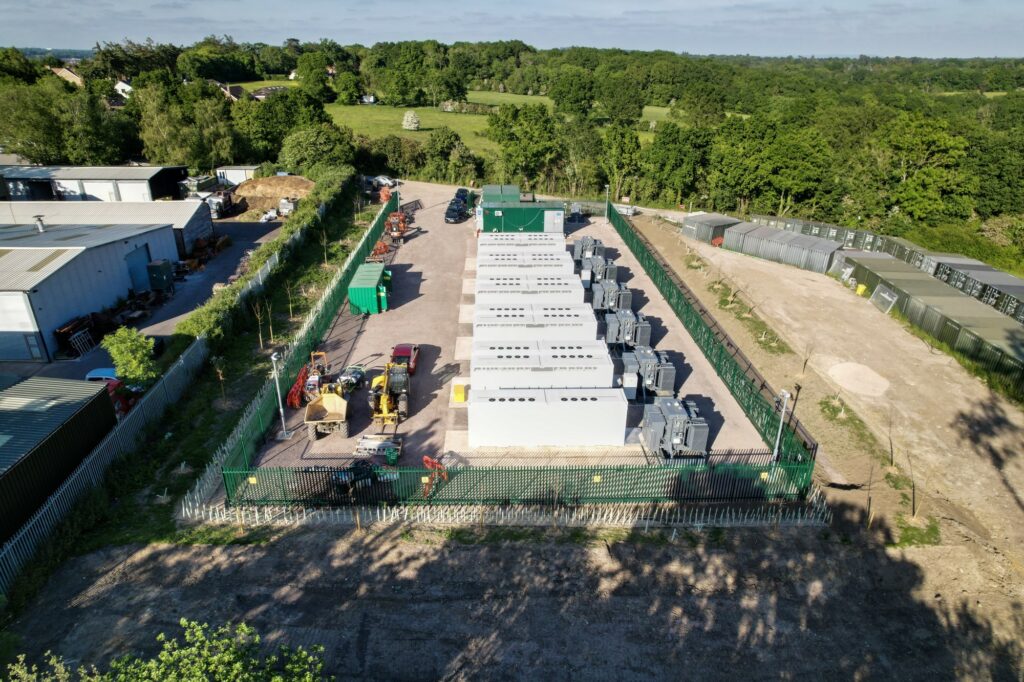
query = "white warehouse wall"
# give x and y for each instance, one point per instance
(95, 279)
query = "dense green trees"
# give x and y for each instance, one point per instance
(319, 144)
(187, 125)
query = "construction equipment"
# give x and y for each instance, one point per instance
(674, 428)
(389, 395)
(379, 253)
(317, 374)
(327, 413)
(397, 226)
(438, 472)
(351, 378)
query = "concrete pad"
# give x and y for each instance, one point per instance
(466, 313)
(469, 285)
(464, 348)
(471, 264)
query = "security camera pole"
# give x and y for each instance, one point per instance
(280, 405)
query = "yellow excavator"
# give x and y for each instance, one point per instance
(389, 395)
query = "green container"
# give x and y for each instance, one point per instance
(161, 275)
(364, 297)
(509, 216)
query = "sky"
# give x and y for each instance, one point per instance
(909, 28)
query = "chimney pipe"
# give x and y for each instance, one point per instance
(40, 225)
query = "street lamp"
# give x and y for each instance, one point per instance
(606, 187)
(784, 397)
(277, 384)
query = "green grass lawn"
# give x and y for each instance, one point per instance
(378, 120)
(256, 85)
(497, 98)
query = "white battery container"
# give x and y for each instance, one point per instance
(578, 417)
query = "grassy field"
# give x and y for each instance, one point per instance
(496, 98)
(256, 85)
(377, 121)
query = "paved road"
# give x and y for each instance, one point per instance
(188, 295)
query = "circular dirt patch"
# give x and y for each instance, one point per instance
(859, 379)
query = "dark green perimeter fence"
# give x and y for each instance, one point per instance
(748, 387)
(262, 412)
(788, 479)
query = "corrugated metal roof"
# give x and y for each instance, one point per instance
(81, 172)
(237, 167)
(71, 235)
(24, 269)
(177, 213)
(34, 409)
(713, 219)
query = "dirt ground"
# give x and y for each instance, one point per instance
(534, 604)
(962, 442)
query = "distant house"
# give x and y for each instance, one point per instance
(123, 88)
(263, 93)
(293, 74)
(368, 99)
(232, 92)
(68, 75)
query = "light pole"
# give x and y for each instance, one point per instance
(606, 187)
(277, 384)
(784, 396)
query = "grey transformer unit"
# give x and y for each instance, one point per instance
(587, 247)
(646, 371)
(627, 328)
(597, 269)
(674, 428)
(610, 295)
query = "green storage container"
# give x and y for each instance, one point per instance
(367, 294)
(161, 275)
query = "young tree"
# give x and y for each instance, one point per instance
(132, 353)
(410, 121)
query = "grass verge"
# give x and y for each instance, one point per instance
(136, 502)
(729, 300)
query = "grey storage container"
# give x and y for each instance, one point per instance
(736, 235)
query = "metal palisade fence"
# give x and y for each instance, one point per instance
(122, 439)
(238, 450)
(753, 393)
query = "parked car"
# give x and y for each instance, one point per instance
(455, 213)
(385, 181)
(407, 354)
(102, 374)
(462, 194)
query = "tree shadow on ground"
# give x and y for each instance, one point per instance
(538, 603)
(989, 429)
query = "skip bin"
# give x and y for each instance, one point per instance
(367, 292)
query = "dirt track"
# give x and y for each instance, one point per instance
(419, 605)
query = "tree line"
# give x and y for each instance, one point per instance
(904, 146)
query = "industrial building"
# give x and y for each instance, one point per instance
(52, 274)
(236, 175)
(47, 427)
(190, 219)
(92, 183)
(503, 208)
(558, 417)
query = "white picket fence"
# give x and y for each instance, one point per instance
(211, 477)
(813, 512)
(122, 439)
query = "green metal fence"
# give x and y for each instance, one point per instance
(683, 481)
(263, 409)
(746, 384)
(328, 486)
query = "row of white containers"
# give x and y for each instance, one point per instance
(539, 376)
